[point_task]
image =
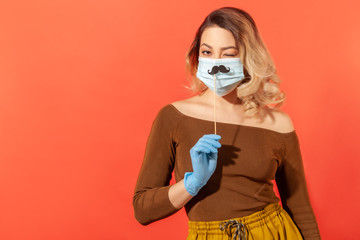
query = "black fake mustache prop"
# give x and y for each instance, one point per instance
(220, 68)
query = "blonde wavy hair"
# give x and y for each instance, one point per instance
(261, 85)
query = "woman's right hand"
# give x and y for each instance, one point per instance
(204, 160)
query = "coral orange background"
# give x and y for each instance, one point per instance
(81, 82)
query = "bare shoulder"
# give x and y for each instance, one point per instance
(182, 104)
(188, 106)
(280, 120)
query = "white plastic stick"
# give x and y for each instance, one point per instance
(214, 105)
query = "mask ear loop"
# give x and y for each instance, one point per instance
(214, 104)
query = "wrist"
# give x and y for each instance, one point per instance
(192, 185)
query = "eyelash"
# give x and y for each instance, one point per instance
(205, 52)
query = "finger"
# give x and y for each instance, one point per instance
(213, 136)
(200, 148)
(212, 142)
(207, 145)
(212, 164)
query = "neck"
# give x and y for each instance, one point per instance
(229, 101)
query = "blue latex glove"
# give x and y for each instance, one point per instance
(203, 158)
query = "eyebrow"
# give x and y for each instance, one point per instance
(224, 48)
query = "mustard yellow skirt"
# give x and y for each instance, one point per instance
(273, 222)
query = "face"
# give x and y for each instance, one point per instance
(217, 42)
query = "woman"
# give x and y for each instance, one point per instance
(226, 144)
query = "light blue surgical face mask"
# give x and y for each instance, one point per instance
(228, 73)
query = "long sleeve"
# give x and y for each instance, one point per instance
(291, 182)
(151, 201)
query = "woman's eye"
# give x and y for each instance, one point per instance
(206, 52)
(230, 55)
